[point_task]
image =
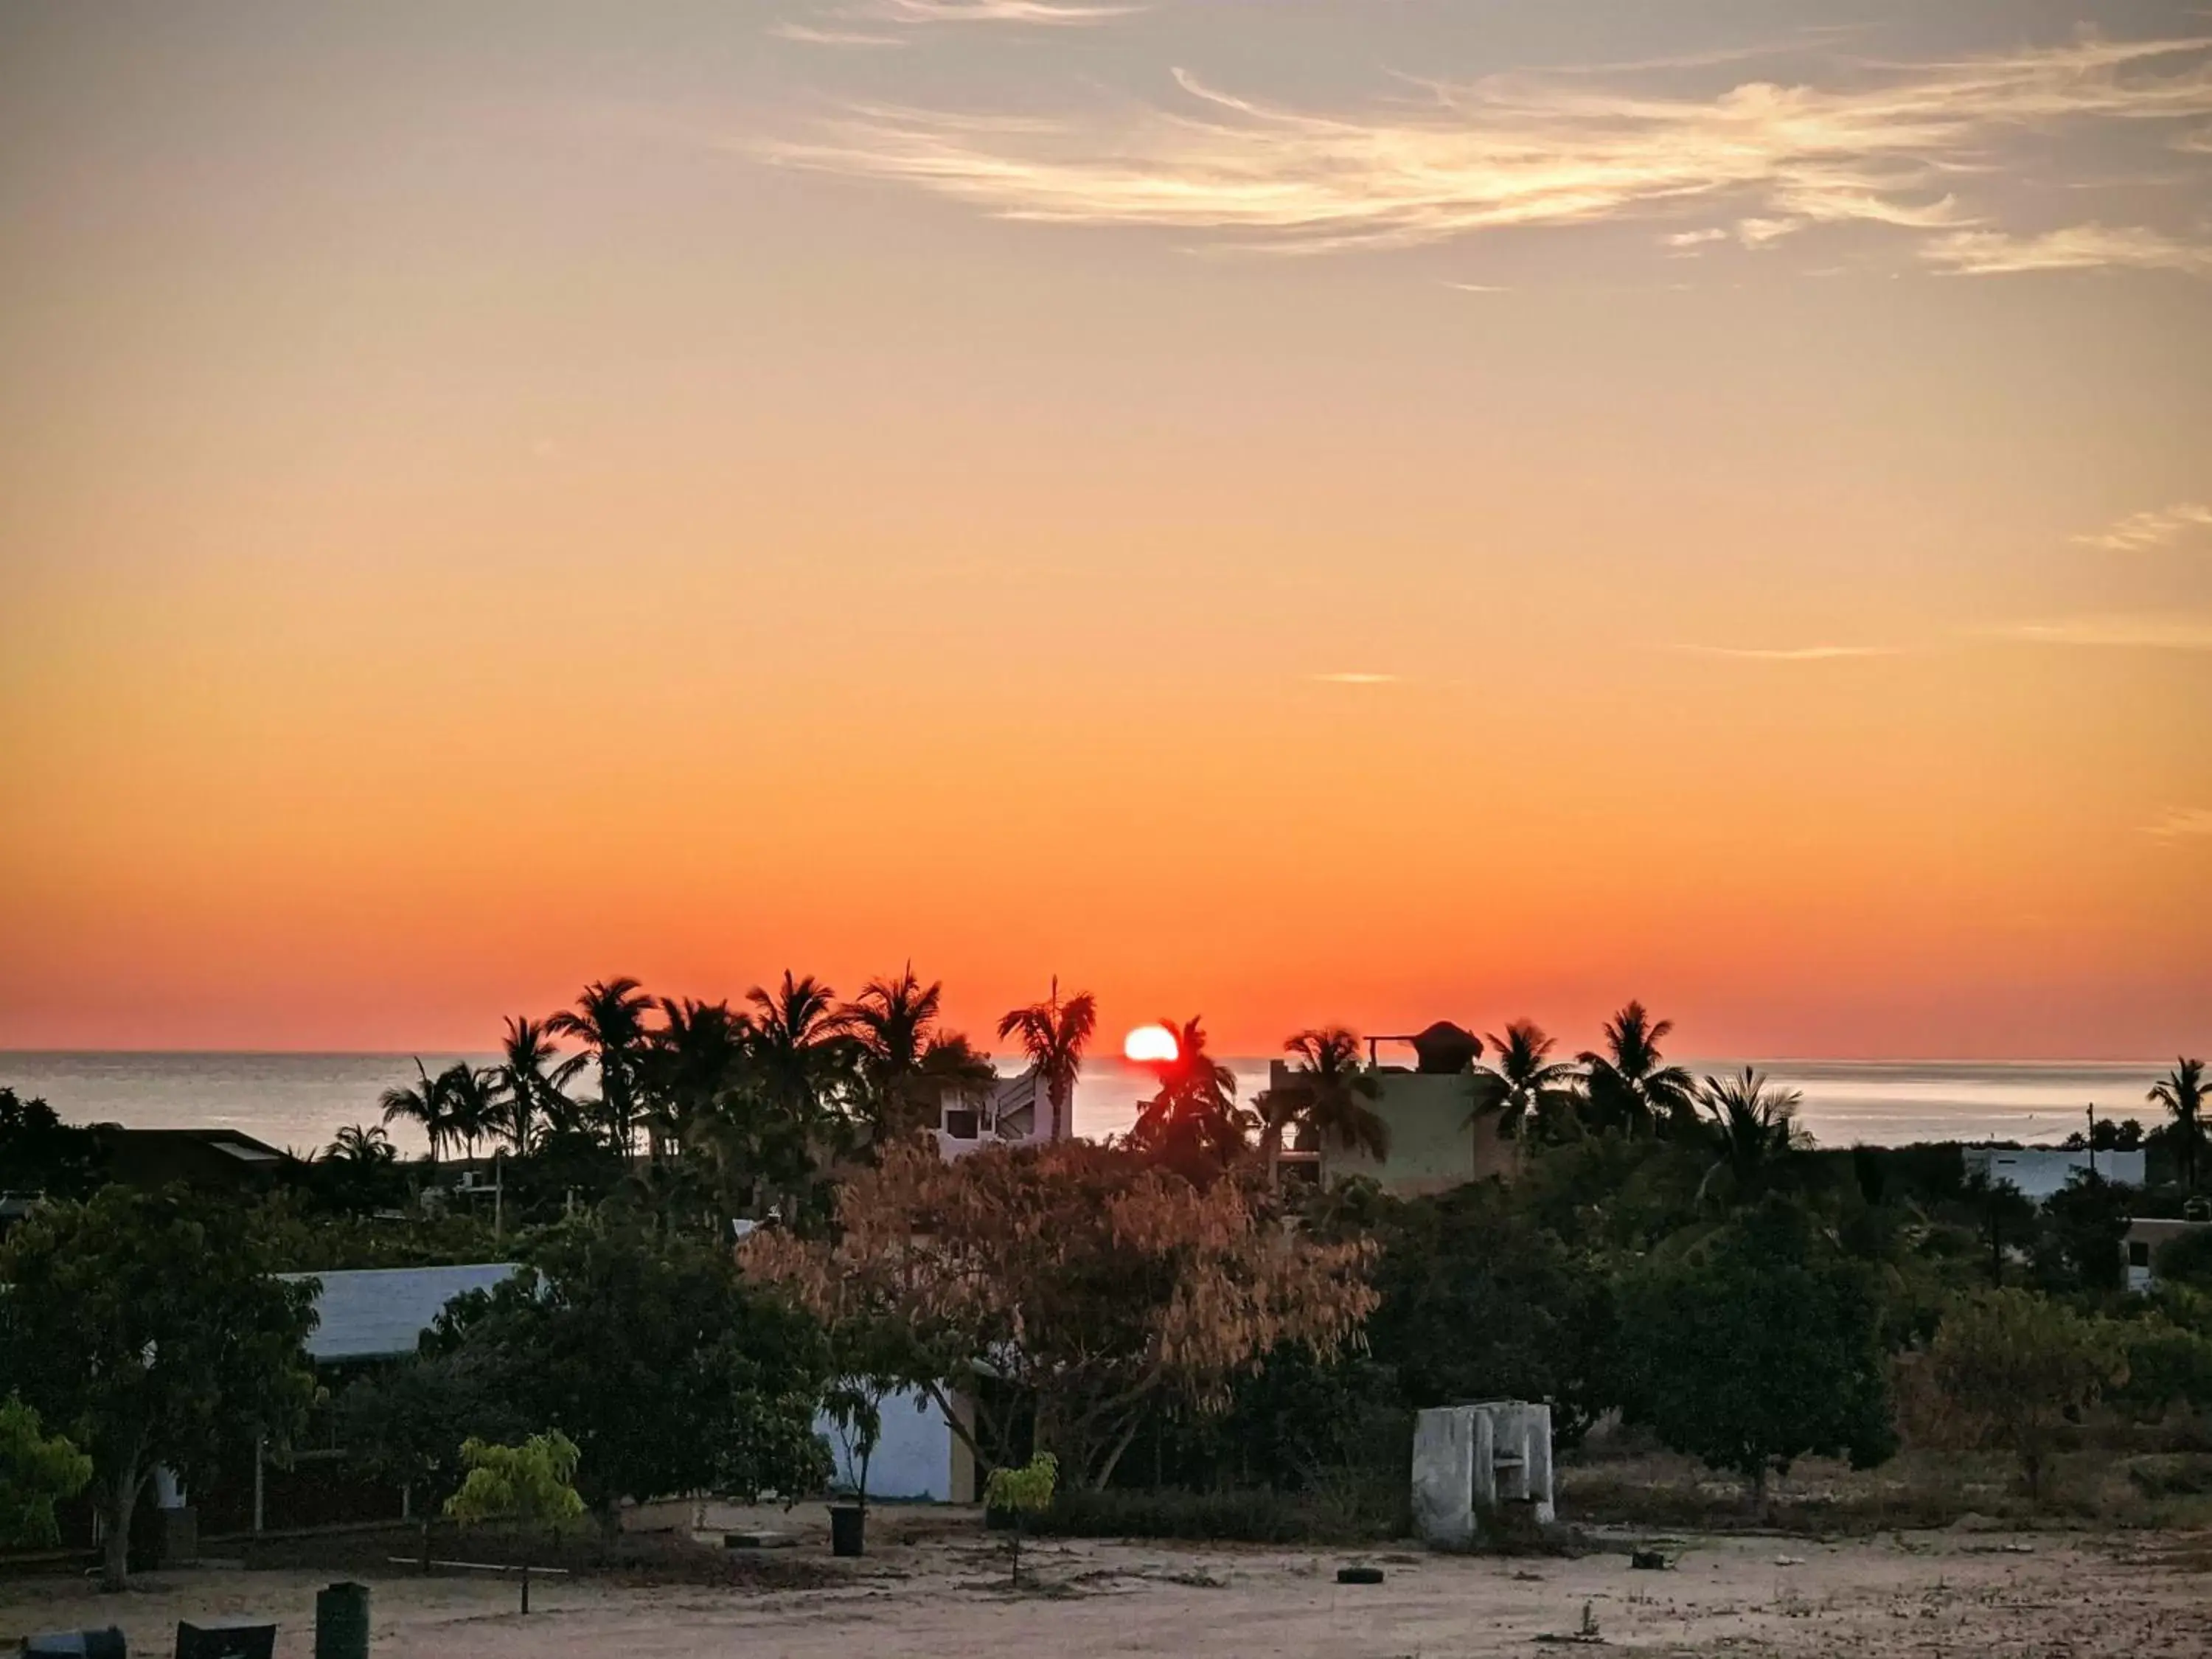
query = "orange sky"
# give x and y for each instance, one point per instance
(1334, 513)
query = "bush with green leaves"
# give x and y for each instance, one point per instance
(2008, 1367)
(529, 1486)
(1758, 1346)
(37, 1470)
(1024, 1493)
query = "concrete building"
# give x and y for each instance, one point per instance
(2041, 1172)
(1015, 1111)
(1472, 1464)
(918, 1457)
(1441, 1134)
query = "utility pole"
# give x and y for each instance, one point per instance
(2092, 1136)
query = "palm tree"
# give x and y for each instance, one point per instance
(425, 1102)
(531, 1076)
(2181, 1091)
(801, 1069)
(1328, 1092)
(471, 1106)
(358, 1144)
(906, 1064)
(697, 1053)
(1752, 1126)
(1627, 1087)
(1531, 1086)
(609, 1019)
(1054, 1035)
(1195, 1122)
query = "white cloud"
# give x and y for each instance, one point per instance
(837, 30)
(2114, 632)
(1881, 144)
(2139, 531)
(2076, 247)
(1790, 653)
(2181, 822)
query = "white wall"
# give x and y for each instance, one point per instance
(2041, 1172)
(915, 1457)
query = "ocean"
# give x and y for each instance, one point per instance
(300, 1101)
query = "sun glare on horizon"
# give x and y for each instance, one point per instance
(1151, 1045)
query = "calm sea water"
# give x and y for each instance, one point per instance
(299, 1101)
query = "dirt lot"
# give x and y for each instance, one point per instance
(935, 1586)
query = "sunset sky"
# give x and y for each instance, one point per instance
(1287, 510)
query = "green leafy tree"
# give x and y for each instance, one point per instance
(656, 1358)
(150, 1327)
(36, 1471)
(2008, 1367)
(2082, 1243)
(529, 1486)
(39, 1153)
(1022, 1494)
(471, 1103)
(1758, 1346)
(355, 1143)
(1479, 1302)
(907, 1061)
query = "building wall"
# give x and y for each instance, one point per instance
(2041, 1172)
(1436, 1142)
(918, 1457)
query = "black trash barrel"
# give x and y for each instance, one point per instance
(342, 1621)
(848, 1529)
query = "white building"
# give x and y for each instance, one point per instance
(1016, 1111)
(2042, 1172)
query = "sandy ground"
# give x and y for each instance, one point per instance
(934, 1586)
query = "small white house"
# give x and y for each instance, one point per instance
(918, 1457)
(2042, 1172)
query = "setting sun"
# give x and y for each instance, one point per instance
(1151, 1045)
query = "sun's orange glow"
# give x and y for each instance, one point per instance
(1151, 1045)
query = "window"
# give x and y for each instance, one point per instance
(960, 1122)
(2138, 1253)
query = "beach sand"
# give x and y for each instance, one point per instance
(934, 1585)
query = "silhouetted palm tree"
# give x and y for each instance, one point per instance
(471, 1103)
(356, 1144)
(424, 1102)
(2181, 1091)
(1532, 1087)
(696, 1055)
(1193, 1123)
(531, 1076)
(609, 1019)
(1752, 1126)
(1627, 1087)
(1328, 1092)
(1054, 1034)
(906, 1065)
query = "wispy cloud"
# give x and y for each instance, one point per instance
(1884, 144)
(847, 24)
(2075, 247)
(1790, 653)
(2114, 632)
(2181, 824)
(1353, 679)
(2139, 531)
